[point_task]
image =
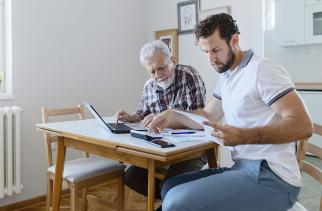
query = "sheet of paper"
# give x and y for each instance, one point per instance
(186, 138)
(207, 129)
(178, 139)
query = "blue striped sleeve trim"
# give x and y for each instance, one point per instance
(217, 96)
(280, 95)
(249, 58)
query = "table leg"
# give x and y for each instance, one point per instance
(151, 185)
(59, 168)
(211, 155)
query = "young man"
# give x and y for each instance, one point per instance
(264, 117)
(170, 86)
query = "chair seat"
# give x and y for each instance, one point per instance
(85, 168)
(297, 207)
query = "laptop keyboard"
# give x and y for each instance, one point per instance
(119, 126)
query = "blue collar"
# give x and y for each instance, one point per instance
(246, 58)
(247, 55)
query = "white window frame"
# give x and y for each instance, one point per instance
(6, 92)
(269, 19)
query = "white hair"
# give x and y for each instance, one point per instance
(149, 49)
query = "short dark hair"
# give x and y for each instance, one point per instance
(224, 22)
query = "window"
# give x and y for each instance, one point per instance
(5, 50)
(269, 15)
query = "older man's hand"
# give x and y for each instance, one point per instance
(122, 116)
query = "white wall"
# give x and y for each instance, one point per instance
(163, 15)
(68, 51)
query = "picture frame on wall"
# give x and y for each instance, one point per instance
(212, 11)
(170, 38)
(187, 16)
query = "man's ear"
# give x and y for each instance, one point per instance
(234, 41)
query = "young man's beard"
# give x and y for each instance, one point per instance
(231, 59)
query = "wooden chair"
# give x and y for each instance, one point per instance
(307, 167)
(80, 174)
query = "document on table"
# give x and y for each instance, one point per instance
(207, 129)
(184, 135)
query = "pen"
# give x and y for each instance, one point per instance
(183, 132)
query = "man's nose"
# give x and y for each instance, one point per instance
(158, 74)
(212, 57)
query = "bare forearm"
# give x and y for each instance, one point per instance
(291, 123)
(282, 131)
(181, 121)
(178, 121)
(211, 117)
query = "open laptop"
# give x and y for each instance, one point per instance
(113, 127)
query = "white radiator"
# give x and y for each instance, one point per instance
(10, 162)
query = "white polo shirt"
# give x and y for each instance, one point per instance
(247, 94)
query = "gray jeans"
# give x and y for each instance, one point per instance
(136, 178)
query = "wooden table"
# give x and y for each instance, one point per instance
(87, 135)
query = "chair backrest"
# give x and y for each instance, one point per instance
(307, 147)
(46, 113)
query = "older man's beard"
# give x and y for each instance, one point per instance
(166, 83)
(224, 67)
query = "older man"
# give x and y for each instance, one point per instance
(170, 86)
(264, 117)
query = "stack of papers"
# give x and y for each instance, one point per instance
(183, 135)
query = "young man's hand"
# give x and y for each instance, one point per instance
(147, 120)
(231, 136)
(160, 121)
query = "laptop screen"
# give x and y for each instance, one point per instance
(112, 127)
(98, 117)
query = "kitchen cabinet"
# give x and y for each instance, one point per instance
(289, 22)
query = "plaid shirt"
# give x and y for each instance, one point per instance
(186, 93)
